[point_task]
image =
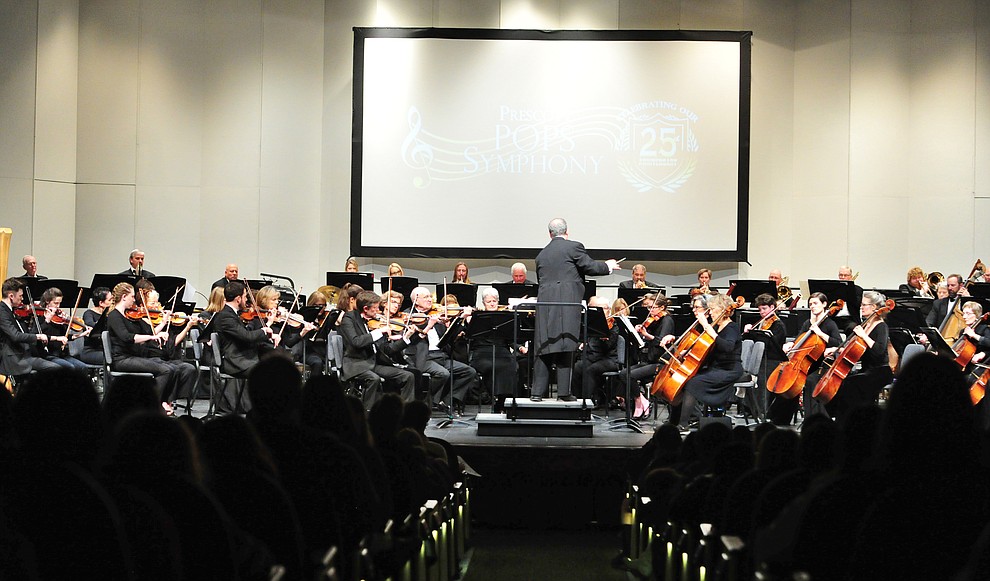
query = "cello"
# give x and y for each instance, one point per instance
(687, 357)
(788, 379)
(980, 376)
(965, 346)
(846, 357)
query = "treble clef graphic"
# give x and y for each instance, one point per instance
(416, 153)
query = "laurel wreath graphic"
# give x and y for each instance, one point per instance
(644, 183)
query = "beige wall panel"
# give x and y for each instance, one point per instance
(820, 252)
(942, 129)
(18, 45)
(982, 125)
(589, 15)
(104, 229)
(641, 15)
(166, 219)
(55, 228)
(670, 14)
(952, 218)
(228, 232)
(536, 14)
(981, 217)
(713, 15)
(170, 94)
(404, 13)
(17, 214)
(108, 91)
(821, 101)
(468, 13)
(231, 121)
(58, 67)
(289, 235)
(877, 239)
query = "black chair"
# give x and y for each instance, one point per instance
(108, 371)
(218, 377)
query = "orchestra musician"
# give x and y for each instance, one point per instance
(847, 319)
(519, 272)
(136, 259)
(657, 332)
(30, 265)
(292, 335)
(347, 300)
(772, 333)
(16, 356)
(862, 387)
(775, 276)
(560, 268)
(351, 264)
(916, 284)
(620, 308)
(137, 347)
(704, 280)
(979, 332)
(713, 384)
(638, 279)
(461, 273)
(395, 270)
(941, 307)
(781, 409)
(230, 274)
(491, 356)
(369, 355)
(598, 355)
(51, 302)
(425, 354)
(92, 351)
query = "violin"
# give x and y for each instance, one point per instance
(767, 322)
(392, 324)
(788, 379)
(76, 324)
(653, 319)
(180, 319)
(687, 357)
(845, 358)
(26, 312)
(135, 313)
(251, 314)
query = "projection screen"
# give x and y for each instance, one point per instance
(466, 142)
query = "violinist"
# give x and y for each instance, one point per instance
(770, 331)
(54, 324)
(449, 308)
(864, 386)
(291, 327)
(426, 355)
(461, 273)
(597, 356)
(136, 347)
(92, 351)
(16, 357)
(713, 384)
(369, 355)
(782, 409)
(657, 331)
(348, 299)
(351, 264)
(491, 356)
(239, 346)
(916, 284)
(620, 308)
(395, 270)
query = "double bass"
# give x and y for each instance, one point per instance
(788, 379)
(687, 357)
(846, 358)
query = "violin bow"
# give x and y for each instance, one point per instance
(68, 327)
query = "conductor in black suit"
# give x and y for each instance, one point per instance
(638, 279)
(560, 269)
(369, 355)
(136, 259)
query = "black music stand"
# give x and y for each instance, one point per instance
(633, 295)
(493, 325)
(750, 289)
(69, 288)
(840, 289)
(365, 280)
(638, 314)
(112, 280)
(446, 341)
(509, 290)
(937, 342)
(467, 294)
(633, 342)
(403, 285)
(256, 284)
(590, 288)
(979, 290)
(167, 286)
(907, 316)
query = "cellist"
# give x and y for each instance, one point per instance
(713, 383)
(782, 409)
(862, 387)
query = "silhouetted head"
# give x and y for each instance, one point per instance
(324, 408)
(150, 446)
(57, 417)
(275, 387)
(129, 394)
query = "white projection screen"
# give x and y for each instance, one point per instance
(466, 142)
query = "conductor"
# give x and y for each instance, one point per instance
(560, 269)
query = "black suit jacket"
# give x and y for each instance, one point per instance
(629, 284)
(940, 308)
(15, 344)
(238, 345)
(561, 267)
(361, 351)
(130, 272)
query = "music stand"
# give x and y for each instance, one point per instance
(837, 289)
(750, 289)
(365, 280)
(69, 288)
(979, 290)
(937, 342)
(449, 336)
(590, 288)
(509, 290)
(907, 316)
(111, 280)
(632, 295)
(167, 286)
(467, 294)
(494, 325)
(256, 284)
(403, 285)
(633, 342)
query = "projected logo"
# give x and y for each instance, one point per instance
(651, 145)
(659, 144)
